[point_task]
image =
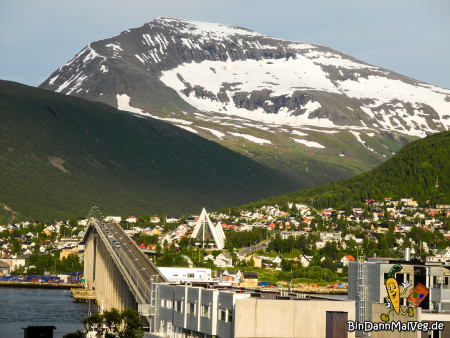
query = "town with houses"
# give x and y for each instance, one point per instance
(224, 270)
(270, 237)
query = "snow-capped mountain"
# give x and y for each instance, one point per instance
(290, 103)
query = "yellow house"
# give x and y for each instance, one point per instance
(155, 231)
(249, 279)
(48, 232)
(412, 203)
(67, 252)
(256, 259)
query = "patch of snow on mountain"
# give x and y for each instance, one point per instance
(332, 59)
(387, 91)
(252, 138)
(115, 47)
(169, 119)
(310, 106)
(215, 30)
(216, 133)
(78, 82)
(256, 126)
(301, 45)
(368, 111)
(69, 82)
(104, 69)
(123, 103)
(358, 137)
(300, 73)
(326, 131)
(370, 134)
(299, 133)
(232, 125)
(249, 74)
(188, 129)
(92, 54)
(310, 144)
(148, 39)
(140, 59)
(52, 80)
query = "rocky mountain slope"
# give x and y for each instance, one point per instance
(308, 110)
(61, 155)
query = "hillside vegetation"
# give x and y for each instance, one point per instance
(420, 170)
(61, 155)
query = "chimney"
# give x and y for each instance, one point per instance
(407, 254)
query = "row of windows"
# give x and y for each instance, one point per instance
(205, 310)
(168, 304)
(225, 315)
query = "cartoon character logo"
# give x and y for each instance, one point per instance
(393, 290)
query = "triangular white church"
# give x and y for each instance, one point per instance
(206, 232)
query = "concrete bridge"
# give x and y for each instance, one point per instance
(118, 271)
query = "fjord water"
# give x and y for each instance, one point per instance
(25, 307)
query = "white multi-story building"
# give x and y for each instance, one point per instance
(186, 311)
(186, 275)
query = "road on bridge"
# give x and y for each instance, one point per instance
(141, 270)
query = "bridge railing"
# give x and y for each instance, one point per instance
(140, 280)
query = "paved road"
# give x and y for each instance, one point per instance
(247, 250)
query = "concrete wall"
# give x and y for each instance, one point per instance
(286, 318)
(379, 308)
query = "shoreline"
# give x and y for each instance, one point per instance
(31, 285)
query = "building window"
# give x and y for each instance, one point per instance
(230, 316)
(178, 306)
(162, 303)
(191, 309)
(190, 275)
(169, 304)
(226, 315)
(205, 311)
(223, 315)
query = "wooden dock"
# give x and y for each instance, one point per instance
(82, 295)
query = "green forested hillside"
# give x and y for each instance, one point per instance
(420, 170)
(60, 155)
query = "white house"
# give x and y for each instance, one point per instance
(14, 262)
(346, 259)
(223, 260)
(115, 219)
(304, 260)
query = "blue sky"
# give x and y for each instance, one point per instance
(410, 37)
